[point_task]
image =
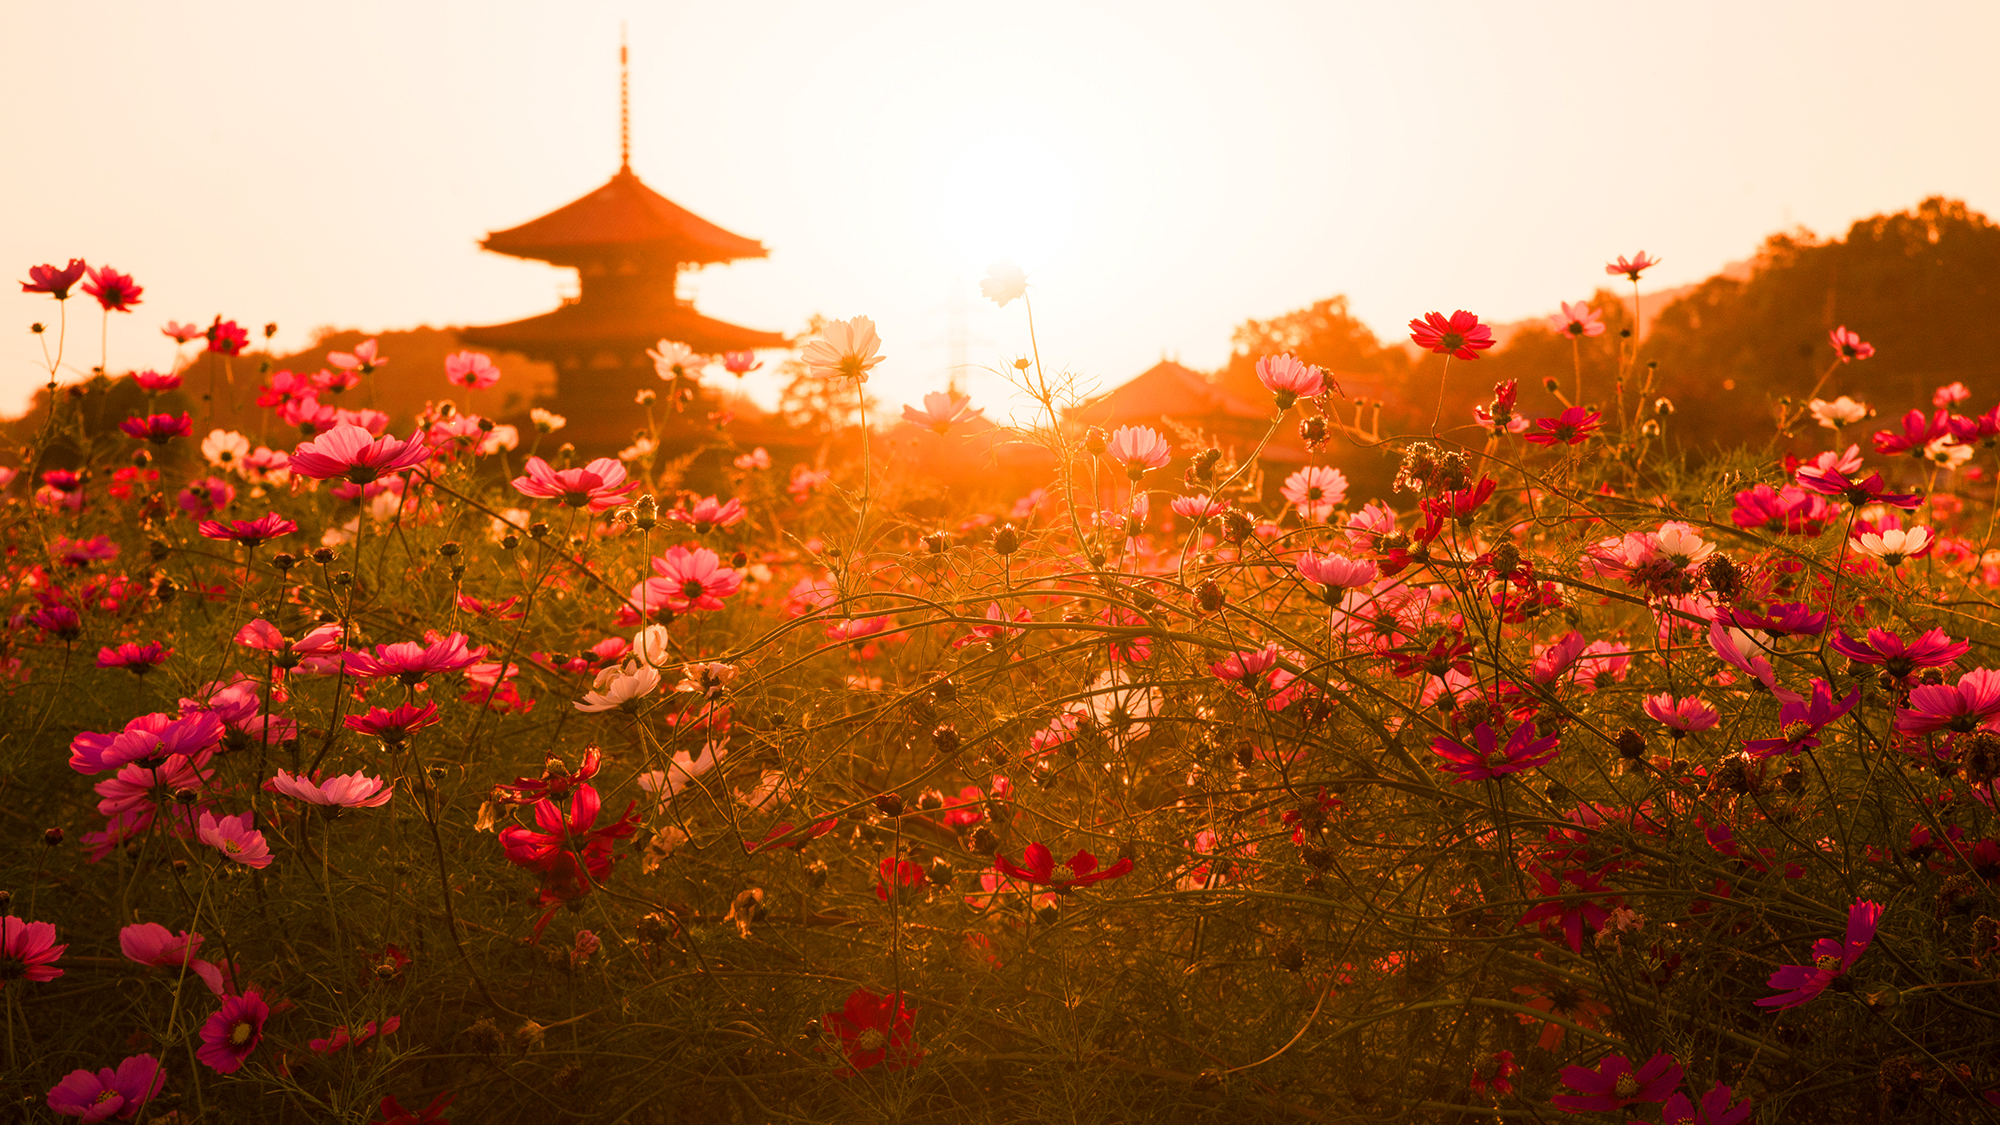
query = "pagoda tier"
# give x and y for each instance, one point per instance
(623, 220)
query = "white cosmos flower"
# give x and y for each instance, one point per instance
(618, 686)
(502, 437)
(1682, 544)
(1121, 709)
(652, 647)
(1842, 411)
(770, 788)
(1947, 453)
(547, 421)
(682, 771)
(1003, 282)
(1893, 546)
(225, 449)
(673, 360)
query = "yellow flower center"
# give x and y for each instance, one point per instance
(1627, 1087)
(1829, 963)
(871, 1040)
(240, 1032)
(1062, 873)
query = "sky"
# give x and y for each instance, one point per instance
(1163, 170)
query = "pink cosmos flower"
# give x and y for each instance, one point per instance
(152, 382)
(600, 485)
(114, 291)
(347, 791)
(28, 950)
(362, 358)
(1802, 983)
(154, 946)
(158, 428)
(203, 498)
(352, 452)
(135, 658)
(53, 281)
(997, 632)
(1973, 703)
(1289, 379)
(1198, 507)
(1315, 491)
(120, 1093)
(226, 337)
(758, 458)
(1486, 759)
(1900, 658)
(1746, 652)
(412, 662)
(1570, 427)
(1850, 346)
(1681, 717)
(471, 370)
(1577, 321)
(694, 579)
(942, 411)
(1461, 336)
(233, 1032)
(261, 530)
(1632, 269)
(844, 349)
(182, 333)
(147, 739)
(706, 515)
(1919, 430)
(1615, 1085)
(1138, 448)
(740, 363)
(1337, 573)
(235, 837)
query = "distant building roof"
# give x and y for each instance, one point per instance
(587, 322)
(624, 214)
(1170, 390)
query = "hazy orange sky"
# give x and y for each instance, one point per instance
(1162, 170)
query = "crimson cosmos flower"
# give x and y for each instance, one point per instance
(1615, 1085)
(120, 1093)
(55, 282)
(253, 532)
(901, 874)
(1831, 958)
(1714, 1110)
(393, 1112)
(135, 658)
(113, 290)
(152, 382)
(874, 1030)
(1461, 336)
(233, 1032)
(1489, 760)
(600, 485)
(28, 950)
(1919, 430)
(158, 428)
(226, 337)
(1038, 866)
(555, 783)
(1568, 428)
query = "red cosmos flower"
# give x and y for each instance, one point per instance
(135, 658)
(226, 337)
(393, 1112)
(340, 1040)
(874, 1030)
(707, 515)
(152, 382)
(1849, 345)
(1802, 983)
(158, 428)
(901, 874)
(1461, 336)
(412, 662)
(1714, 1110)
(1038, 865)
(570, 853)
(1523, 751)
(555, 783)
(600, 485)
(740, 363)
(1614, 1085)
(1573, 908)
(233, 1032)
(55, 282)
(1569, 428)
(1639, 264)
(99, 1097)
(350, 451)
(286, 387)
(1503, 1070)
(113, 290)
(28, 951)
(1919, 431)
(252, 532)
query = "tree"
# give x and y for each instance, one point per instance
(1324, 333)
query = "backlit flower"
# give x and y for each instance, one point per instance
(1849, 345)
(1138, 448)
(1461, 335)
(252, 532)
(471, 370)
(1633, 268)
(1289, 379)
(1802, 983)
(1121, 709)
(363, 358)
(1487, 759)
(1681, 717)
(52, 280)
(1315, 491)
(1336, 573)
(114, 291)
(673, 361)
(411, 662)
(352, 452)
(600, 485)
(1842, 411)
(695, 579)
(1038, 866)
(1970, 704)
(226, 337)
(1198, 507)
(235, 837)
(1799, 722)
(394, 724)
(182, 333)
(941, 411)
(1577, 321)
(158, 428)
(1568, 428)
(233, 1032)
(120, 1093)
(1894, 545)
(152, 382)
(706, 514)
(1004, 281)
(1615, 1085)
(547, 421)
(618, 687)
(844, 349)
(740, 363)
(136, 658)
(347, 791)
(874, 1030)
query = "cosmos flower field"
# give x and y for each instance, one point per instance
(359, 772)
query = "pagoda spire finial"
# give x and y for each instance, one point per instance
(624, 105)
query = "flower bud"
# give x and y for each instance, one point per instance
(646, 512)
(53, 837)
(890, 804)
(1095, 441)
(945, 739)
(538, 531)
(448, 548)
(931, 800)
(1006, 540)
(284, 561)
(322, 555)
(1209, 595)
(1312, 430)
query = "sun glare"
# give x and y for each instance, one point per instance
(1007, 196)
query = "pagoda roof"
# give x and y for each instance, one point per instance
(585, 323)
(1168, 388)
(624, 214)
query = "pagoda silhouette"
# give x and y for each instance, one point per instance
(628, 244)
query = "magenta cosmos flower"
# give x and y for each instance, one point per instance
(1900, 658)
(412, 662)
(1315, 491)
(706, 514)
(235, 837)
(152, 382)
(135, 658)
(942, 411)
(1289, 379)
(1972, 703)
(1486, 758)
(1460, 336)
(347, 791)
(348, 450)
(1568, 428)
(158, 428)
(1038, 866)
(226, 337)
(53, 281)
(1799, 723)
(1850, 345)
(599, 485)
(471, 370)
(874, 1030)
(1577, 321)
(1615, 1085)
(1639, 264)
(394, 725)
(114, 291)
(1681, 717)
(120, 1093)
(1139, 448)
(148, 739)
(1714, 1109)
(1831, 958)
(28, 951)
(693, 579)
(233, 1032)
(252, 532)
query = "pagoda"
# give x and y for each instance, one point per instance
(628, 244)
